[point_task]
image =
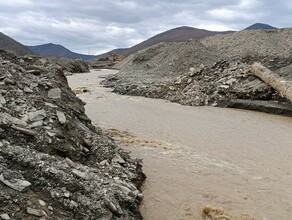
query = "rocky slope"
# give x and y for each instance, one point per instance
(53, 163)
(164, 61)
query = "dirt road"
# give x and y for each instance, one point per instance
(195, 156)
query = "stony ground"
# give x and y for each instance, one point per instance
(53, 163)
(213, 72)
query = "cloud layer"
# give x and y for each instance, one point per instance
(97, 26)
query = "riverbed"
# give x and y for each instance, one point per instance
(235, 161)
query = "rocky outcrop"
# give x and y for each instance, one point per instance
(72, 65)
(53, 163)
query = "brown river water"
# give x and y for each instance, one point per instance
(225, 163)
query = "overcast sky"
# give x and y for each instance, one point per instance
(101, 25)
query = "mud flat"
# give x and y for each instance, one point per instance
(236, 160)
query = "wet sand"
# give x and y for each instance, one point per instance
(195, 156)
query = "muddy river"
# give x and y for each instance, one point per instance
(225, 163)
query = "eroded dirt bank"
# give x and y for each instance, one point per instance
(195, 156)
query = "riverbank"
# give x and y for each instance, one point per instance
(195, 156)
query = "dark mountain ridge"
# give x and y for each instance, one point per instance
(260, 26)
(7, 43)
(56, 50)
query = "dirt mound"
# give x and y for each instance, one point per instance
(53, 163)
(163, 61)
(275, 42)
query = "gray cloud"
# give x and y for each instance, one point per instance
(102, 25)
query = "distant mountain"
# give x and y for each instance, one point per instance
(7, 43)
(174, 35)
(258, 26)
(56, 50)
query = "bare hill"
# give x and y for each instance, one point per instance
(178, 34)
(7, 43)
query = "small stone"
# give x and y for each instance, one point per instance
(231, 81)
(34, 72)
(50, 208)
(190, 80)
(54, 93)
(61, 117)
(42, 203)
(192, 69)
(118, 159)
(5, 216)
(104, 163)
(224, 86)
(50, 105)
(35, 212)
(16, 184)
(37, 115)
(81, 174)
(67, 194)
(27, 90)
(2, 100)
(73, 204)
(172, 88)
(8, 81)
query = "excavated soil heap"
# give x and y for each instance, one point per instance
(53, 163)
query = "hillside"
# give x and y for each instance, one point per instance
(260, 26)
(56, 50)
(7, 43)
(174, 35)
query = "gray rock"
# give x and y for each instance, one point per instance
(34, 72)
(16, 184)
(118, 159)
(231, 81)
(6, 118)
(104, 163)
(27, 90)
(5, 216)
(35, 212)
(2, 100)
(8, 81)
(61, 117)
(54, 93)
(37, 115)
(42, 203)
(81, 174)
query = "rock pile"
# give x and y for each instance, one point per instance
(275, 43)
(214, 71)
(53, 163)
